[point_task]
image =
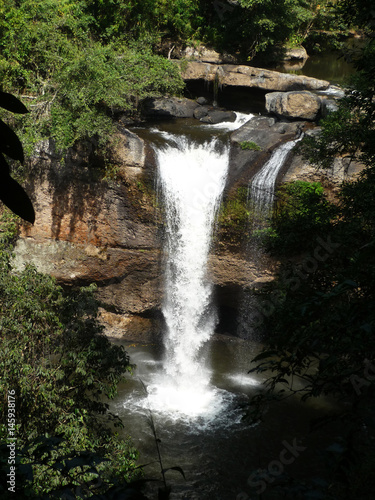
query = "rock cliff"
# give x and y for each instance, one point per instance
(109, 231)
(99, 220)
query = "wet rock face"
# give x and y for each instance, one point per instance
(217, 116)
(301, 105)
(110, 232)
(266, 133)
(89, 230)
(170, 107)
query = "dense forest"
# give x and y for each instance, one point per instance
(81, 66)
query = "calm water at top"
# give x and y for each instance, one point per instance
(330, 66)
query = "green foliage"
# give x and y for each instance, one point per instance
(250, 145)
(142, 18)
(102, 80)
(75, 80)
(263, 26)
(80, 65)
(350, 131)
(301, 213)
(329, 29)
(322, 323)
(233, 219)
(60, 369)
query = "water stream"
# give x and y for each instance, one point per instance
(196, 385)
(191, 178)
(263, 184)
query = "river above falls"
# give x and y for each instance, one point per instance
(331, 66)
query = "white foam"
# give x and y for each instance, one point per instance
(191, 177)
(263, 183)
(241, 119)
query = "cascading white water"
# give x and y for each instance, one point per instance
(241, 119)
(263, 183)
(191, 177)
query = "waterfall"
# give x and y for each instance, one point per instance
(263, 183)
(191, 179)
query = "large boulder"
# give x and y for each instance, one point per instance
(215, 115)
(293, 59)
(204, 54)
(170, 107)
(301, 105)
(295, 54)
(266, 132)
(187, 108)
(247, 76)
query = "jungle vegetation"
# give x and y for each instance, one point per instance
(321, 326)
(80, 66)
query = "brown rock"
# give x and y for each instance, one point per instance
(89, 230)
(266, 133)
(296, 105)
(247, 76)
(295, 53)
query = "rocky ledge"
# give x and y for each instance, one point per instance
(247, 76)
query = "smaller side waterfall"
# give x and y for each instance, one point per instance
(263, 183)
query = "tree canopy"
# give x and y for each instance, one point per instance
(80, 65)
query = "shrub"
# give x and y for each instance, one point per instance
(60, 369)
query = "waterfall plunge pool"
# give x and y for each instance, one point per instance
(219, 449)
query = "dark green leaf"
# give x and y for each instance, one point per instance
(14, 197)
(11, 103)
(265, 354)
(26, 470)
(9, 143)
